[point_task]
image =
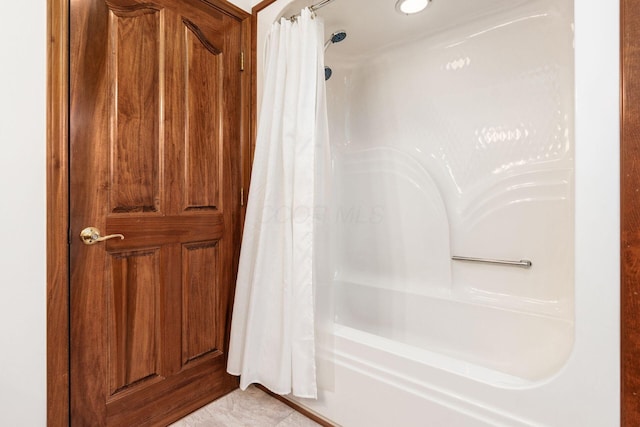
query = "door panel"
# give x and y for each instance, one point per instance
(201, 301)
(134, 72)
(155, 155)
(204, 102)
(133, 305)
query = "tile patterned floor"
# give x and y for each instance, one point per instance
(252, 407)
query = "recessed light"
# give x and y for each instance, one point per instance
(409, 7)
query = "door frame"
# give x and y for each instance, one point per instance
(57, 172)
(629, 212)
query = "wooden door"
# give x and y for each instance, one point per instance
(155, 130)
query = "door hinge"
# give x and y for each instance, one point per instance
(241, 196)
(242, 61)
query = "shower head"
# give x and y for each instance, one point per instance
(336, 37)
(327, 73)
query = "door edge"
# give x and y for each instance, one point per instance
(57, 212)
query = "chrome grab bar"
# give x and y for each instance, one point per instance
(524, 263)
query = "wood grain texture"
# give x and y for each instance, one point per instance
(57, 214)
(630, 211)
(89, 127)
(262, 5)
(58, 181)
(133, 307)
(156, 140)
(201, 306)
(135, 69)
(161, 230)
(204, 133)
(248, 110)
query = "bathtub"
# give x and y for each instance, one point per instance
(491, 134)
(524, 346)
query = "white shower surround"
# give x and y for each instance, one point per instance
(379, 381)
(458, 143)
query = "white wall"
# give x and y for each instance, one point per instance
(22, 214)
(245, 4)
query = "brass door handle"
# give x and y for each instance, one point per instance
(91, 235)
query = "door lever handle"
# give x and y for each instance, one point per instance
(91, 235)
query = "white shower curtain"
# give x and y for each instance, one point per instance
(272, 332)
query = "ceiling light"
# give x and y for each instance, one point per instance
(409, 7)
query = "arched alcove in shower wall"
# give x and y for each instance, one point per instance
(453, 135)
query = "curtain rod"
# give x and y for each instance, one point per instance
(312, 8)
(319, 5)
